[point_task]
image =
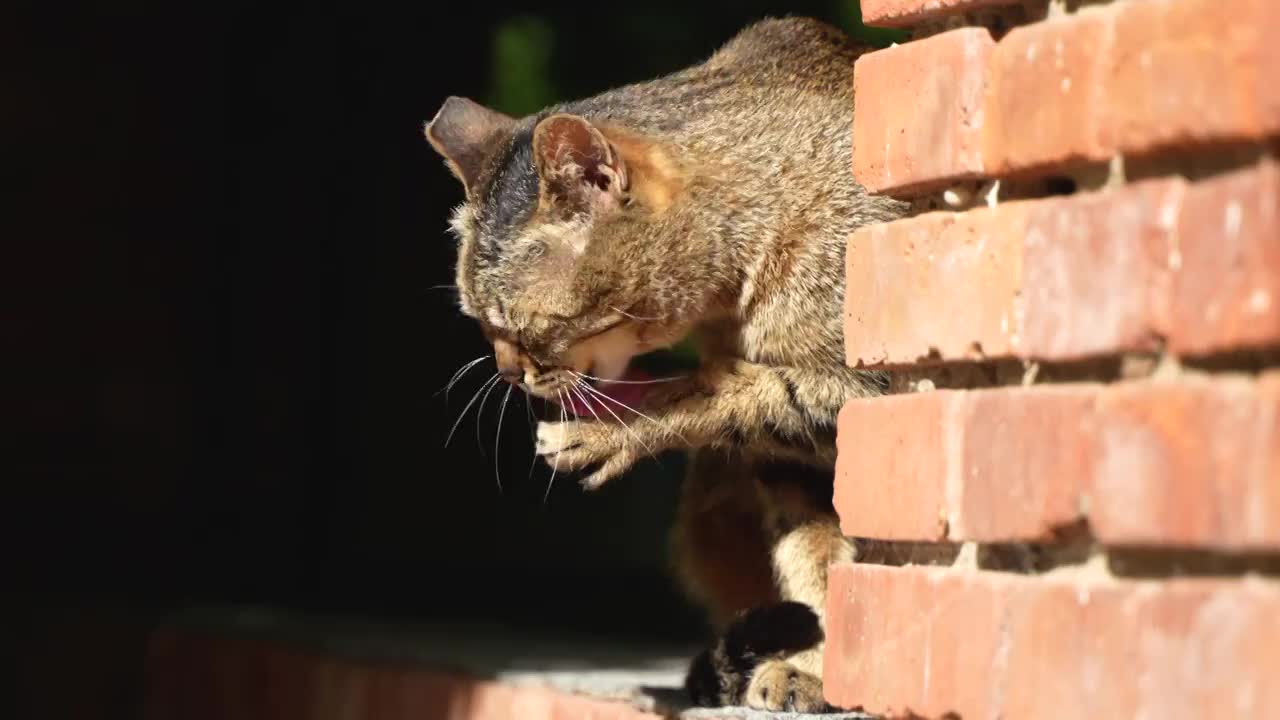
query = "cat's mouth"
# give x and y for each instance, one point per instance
(625, 396)
(605, 398)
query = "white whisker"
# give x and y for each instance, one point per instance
(553, 468)
(629, 382)
(458, 376)
(585, 402)
(463, 414)
(480, 412)
(533, 431)
(620, 404)
(625, 426)
(497, 437)
(624, 313)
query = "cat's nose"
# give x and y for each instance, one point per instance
(507, 357)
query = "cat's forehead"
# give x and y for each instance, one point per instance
(514, 261)
(508, 193)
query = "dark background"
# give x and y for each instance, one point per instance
(223, 337)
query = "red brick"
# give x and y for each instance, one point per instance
(918, 111)
(1051, 654)
(340, 689)
(1189, 72)
(892, 476)
(1266, 87)
(1228, 293)
(1095, 274)
(883, 650)
(899, 13)
(1194, 463)
(1052, 279)
(1159, 263)
(979, 644)
(995, 465)
(1044, 93)
(901, 276)
(1022, 455)
(1123, 649)
(1189, 463)
(1131, 78)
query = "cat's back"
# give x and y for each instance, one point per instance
(785, 64)
(793, 52)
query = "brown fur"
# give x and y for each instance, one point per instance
(714, 203)
(720, 516)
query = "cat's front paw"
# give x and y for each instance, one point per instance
(577, 444)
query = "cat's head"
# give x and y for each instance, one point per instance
(553, 262)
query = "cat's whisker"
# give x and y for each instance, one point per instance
(480, 412)
(551, 482)
(497, 437)
(629, 382)
(529, 420)
(487, 383)
(458, 376)
(625, 406)
(624, 313)
(621, 422)
(585, 402)
(533, 431)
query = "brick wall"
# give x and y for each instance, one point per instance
(1103, 479)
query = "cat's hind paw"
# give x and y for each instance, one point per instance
(779, 686)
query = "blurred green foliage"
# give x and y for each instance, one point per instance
(522, 51)
(851, 20)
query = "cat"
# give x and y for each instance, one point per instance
(712, 203)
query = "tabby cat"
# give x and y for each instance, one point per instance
(713, 203)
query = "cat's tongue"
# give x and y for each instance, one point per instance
(627, 391)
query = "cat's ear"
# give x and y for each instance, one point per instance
(464, 131)
(578, 168)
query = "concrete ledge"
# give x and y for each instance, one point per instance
(251, 663)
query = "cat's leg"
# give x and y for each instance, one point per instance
(721, 553)
(807, 541)
(720, 550)
(770, 657)
(794, 681)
